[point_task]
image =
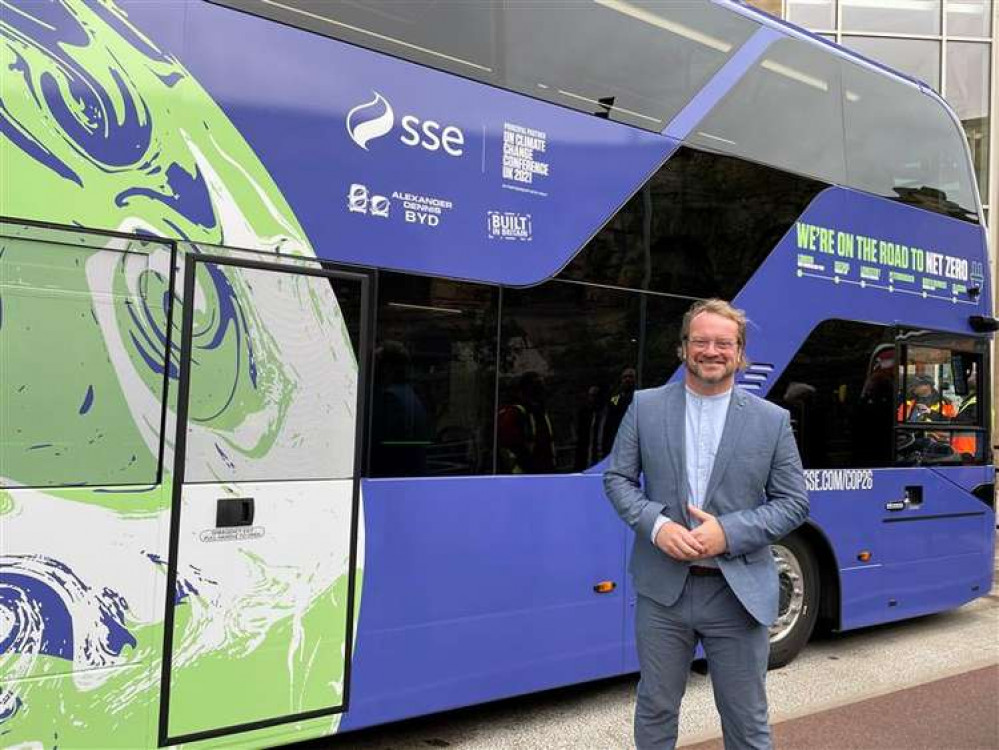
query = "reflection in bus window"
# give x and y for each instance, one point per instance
(700, 227)
(434, 378)
(566, 378)
(663, 318)
(902, 144)
(786, 111)
(607, 57)
(839, 389)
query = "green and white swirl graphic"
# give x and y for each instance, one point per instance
(100, 128)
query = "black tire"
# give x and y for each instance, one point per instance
(799, 599)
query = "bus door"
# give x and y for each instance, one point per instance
(263, 544)
(934, 530)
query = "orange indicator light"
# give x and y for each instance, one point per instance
(864, 556)
(605, 587)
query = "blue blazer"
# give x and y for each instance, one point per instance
(756, 490)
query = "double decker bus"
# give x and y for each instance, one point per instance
(317, 321)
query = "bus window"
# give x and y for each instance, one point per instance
(901, 143)
(663, 318)
(566, 378)
(700, 227)
(273, 376)
(786, 111)
(608, 57)
(938, 417)
(715, 219)
(78, 323)
(917, 447)
(619, 254)
(927, 380)
(453, 36)
(434, 377)
(605, 58)
(839, 390)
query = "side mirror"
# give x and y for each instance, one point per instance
(983, 323)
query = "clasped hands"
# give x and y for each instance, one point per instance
(680, 543)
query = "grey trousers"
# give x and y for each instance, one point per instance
(736, 646)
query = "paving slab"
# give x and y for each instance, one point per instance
(954, 713)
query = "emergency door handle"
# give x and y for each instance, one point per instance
(913, 499)
(234, 511)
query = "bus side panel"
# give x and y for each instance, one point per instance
(482, 588)
(937, 554)
(857, 257)
(927, 559)
(82, 592)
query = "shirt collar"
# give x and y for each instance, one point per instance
(698, 397)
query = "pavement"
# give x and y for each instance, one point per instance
(954, 713)
(928, 683)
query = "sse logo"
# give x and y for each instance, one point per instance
(376, 118)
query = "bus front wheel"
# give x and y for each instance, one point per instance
(798, 609)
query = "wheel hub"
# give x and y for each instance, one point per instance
(792, 593)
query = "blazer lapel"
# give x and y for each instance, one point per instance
(735, 420)
(675, 422)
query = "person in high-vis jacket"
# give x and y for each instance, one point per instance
(524, 430)
(925, 403)
(966, 443)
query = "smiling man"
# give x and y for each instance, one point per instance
(722, 481)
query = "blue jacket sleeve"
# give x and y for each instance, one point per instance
(622, 478)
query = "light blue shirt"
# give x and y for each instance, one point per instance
(705, 421)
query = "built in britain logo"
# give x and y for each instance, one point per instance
(508, 225)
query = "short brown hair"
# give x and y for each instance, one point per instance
(725, 310)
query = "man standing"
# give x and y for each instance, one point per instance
(723, 480)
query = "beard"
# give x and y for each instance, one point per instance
(712, 370)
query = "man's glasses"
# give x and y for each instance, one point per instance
(722, 345)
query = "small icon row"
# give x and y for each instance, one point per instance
(361, 201)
